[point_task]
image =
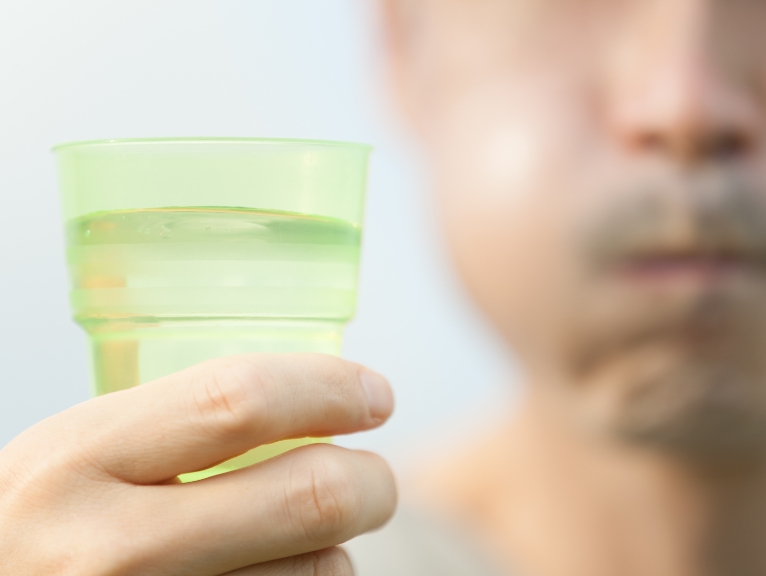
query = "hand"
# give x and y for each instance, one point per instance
(93, 490)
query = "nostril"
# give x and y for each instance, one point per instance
(649, 141)
(721, 145)
(729, 145)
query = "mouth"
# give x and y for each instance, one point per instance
(688, 268)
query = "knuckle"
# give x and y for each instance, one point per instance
(228, 403)
(323, 500)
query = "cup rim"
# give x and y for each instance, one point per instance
(105, 142)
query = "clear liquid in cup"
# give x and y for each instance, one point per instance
(159, 290)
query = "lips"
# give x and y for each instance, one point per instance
(691, 229)
(690, 266)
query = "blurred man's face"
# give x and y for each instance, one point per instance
(601, 171)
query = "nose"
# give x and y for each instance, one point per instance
(672, 97)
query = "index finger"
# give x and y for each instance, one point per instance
(201, 416)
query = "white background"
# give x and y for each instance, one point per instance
(85, 69)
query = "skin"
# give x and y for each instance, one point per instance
(600, 170)
(93, 490)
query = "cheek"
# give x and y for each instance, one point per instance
(506, 165)
(512, 256)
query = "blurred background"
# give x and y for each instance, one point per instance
(87, 69)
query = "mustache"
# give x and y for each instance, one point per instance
(719, 216)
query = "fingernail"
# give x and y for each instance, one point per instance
(380, 398)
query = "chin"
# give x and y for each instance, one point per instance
(702, 410)
(686, 375)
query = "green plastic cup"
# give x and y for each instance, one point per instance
(185, 249)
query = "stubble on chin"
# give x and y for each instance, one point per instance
(680, 401)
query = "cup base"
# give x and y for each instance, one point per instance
(251, 457)
(126, 352)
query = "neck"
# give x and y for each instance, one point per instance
(552, 501)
